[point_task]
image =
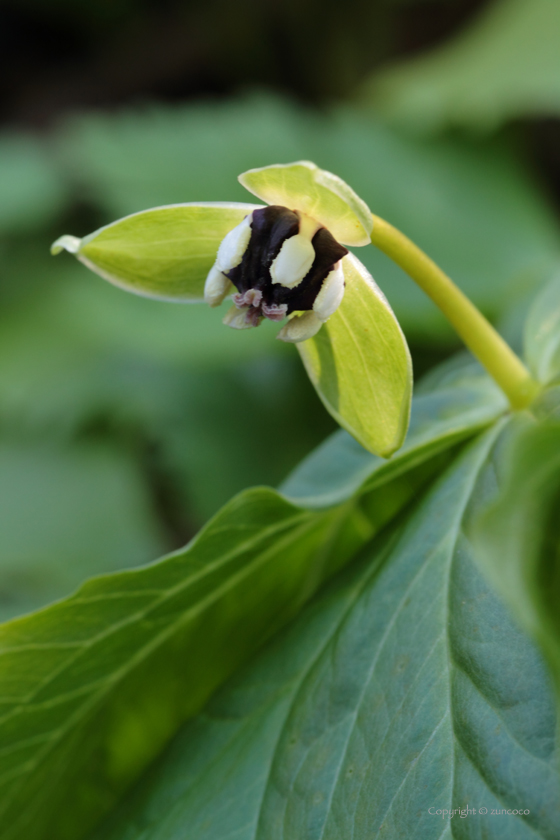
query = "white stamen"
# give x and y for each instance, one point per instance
(300, 328)
(234, 245)
(217, 287)
(331, 293)
(237, 318)
(296, 255)
(293, 262)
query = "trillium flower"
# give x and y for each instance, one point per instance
(286, 261)
(280, 261)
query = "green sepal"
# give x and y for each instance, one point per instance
(164, 253)
(360, 365)
(320, 194)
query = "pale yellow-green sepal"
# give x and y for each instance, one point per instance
(322, 195)
(164, 253)
(360, 365)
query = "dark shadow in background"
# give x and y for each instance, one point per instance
(57, 55)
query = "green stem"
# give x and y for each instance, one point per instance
(507, 370)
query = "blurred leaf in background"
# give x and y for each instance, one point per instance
(503, 66)
(32, 190)
(67, 513)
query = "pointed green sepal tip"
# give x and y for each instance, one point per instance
(66, 243)
(322, 195)
(163, 253)
(360, 365)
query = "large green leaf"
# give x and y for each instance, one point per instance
(92, 687)
(360, 365)
(160, 639)
(517, 531)
(165, 252)
(472, 207)
(505, 65)
(404, 690)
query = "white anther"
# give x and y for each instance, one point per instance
(296, 255)
(330, 294)
(300, 328)
(234, 245)
(293, 262)
(217, 287)
(237, 318)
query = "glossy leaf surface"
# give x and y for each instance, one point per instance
(164, 253)
(320, 194)
(396, 694)
(360, 365)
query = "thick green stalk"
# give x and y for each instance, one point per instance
(507, 370)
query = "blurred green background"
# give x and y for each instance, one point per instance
(125, 423)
